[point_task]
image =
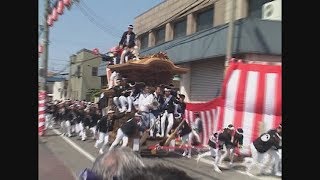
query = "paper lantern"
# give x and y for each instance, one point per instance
(60, 7)
(114, 49)
(54, 14)
(67, 2)
(95, 51)
(40, 49)
(50, 20)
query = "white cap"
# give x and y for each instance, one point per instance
(230, 126)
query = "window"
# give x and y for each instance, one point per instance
(78, 71)
(255, 8)
(205, 20)
(160, 35)
(144, 41)
(104, 81)
(180, 28)
(94, 71)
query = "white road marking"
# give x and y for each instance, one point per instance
(75, 146)
(92, 158)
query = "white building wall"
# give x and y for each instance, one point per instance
(58, 93)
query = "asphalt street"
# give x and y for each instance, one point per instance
(62, 158)
(50, 166)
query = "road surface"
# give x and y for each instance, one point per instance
(69, 156)
(51, 167)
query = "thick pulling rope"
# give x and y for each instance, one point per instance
(158, 147)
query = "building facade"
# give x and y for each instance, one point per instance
(83, 75)
(103, 74)
(194, 34)
(56, 88)
(59, 90)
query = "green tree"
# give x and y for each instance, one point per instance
(93, 93)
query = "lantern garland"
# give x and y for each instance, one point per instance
(54, 14)
(56, 11)
(96, 51)
(60, 7)
(40, 49)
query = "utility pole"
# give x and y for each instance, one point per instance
(43, 69)
(232, 5)
(69, 88)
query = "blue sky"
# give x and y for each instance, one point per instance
(73, 30)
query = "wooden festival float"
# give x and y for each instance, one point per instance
(149, 70)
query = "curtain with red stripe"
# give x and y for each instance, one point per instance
(250, 99)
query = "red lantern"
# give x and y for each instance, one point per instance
(60, 7)
(40, 49)
(96, 51)
(50, 20)
(54, 14)
(67, 2)
(114, 49)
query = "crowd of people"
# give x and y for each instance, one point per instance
(81, 118)
(264, 152)
(157, 111)
(123, 163)
(155, 107)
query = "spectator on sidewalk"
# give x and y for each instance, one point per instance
(157, 171)
(113, 164)
(123, 164)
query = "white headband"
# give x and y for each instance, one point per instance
(238, 132)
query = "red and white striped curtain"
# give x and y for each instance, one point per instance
(251, 95)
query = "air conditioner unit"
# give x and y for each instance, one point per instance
(272, 10)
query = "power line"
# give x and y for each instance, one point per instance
(112, 29)
(56, 59)
(78, 62)
(57, 64)
(91, 19)
(74, 42)
(57, 73)
(94, 14)
(63, 49)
